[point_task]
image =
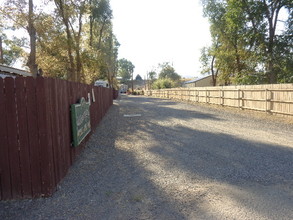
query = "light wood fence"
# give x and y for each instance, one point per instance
(273, 98)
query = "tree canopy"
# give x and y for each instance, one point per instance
(125, 69)
(247, 45)
(73, 40)
(167, 71)
(168, 78)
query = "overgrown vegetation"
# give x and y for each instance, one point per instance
(168, 78)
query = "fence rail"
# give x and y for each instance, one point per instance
(35, 132)
(276, 98)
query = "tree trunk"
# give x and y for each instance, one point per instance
(79, 66)
(101, 33)
(78, 63)
(1, 52)
(214, 74)
(272, 13)
(71, 73)
(33, 38)
(91, 31)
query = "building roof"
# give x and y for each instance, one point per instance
(196, 79)
(6, 70)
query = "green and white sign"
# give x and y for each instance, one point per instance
(80, 119)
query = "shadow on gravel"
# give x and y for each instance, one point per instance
(147, 106)
(104, 183)
(224, 159)
(255, 168)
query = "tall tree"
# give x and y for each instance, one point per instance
(246, 35)
(125, 69)
(101, 15)
(33, 38)
(167, 71)
(16, 13)
(62, 37)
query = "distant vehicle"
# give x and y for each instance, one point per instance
(102, 83)
(123, 88)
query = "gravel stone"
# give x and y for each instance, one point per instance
(177, 161)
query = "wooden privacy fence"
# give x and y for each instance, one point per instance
(35, 132)
(273, 98)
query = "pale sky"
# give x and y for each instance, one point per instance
(155, 31)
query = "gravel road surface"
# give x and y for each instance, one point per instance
(171, 160)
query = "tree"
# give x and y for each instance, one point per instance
(33, 38)
(101, 14)
(168, 78)
(167, 71)
(245, 35)
(125, 69)
(74, 40)
(152, 75)
(71, 14)
(15, 12)
(208, 60)
(163, 83)
(11, 50)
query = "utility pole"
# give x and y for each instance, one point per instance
(132, 82)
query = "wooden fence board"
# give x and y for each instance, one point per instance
(56, 131)
(35, 132)
(49, 116)
(58, 116)
(45, 147)
(5, 178)
(24, 147)
(12, 132)
(63, 114)
(51, 129)
(273, 98)
(71, 99)
(33, 137)
(66, 122)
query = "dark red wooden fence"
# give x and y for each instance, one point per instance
(35, 132)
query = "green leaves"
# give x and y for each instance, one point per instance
(245, 46)
(125, 69)
(167, 71)
(168, 78)
(63, 36)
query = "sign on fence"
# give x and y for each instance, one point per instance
(80, 117)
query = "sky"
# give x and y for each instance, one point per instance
(156, 31)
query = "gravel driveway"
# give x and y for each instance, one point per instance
(175, 161)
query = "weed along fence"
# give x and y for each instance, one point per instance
(274, 98)
(36, 140)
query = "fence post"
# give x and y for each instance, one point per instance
(268, 95)
(239, 98)
(222, 97)
(206, 96)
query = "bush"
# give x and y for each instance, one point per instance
(164, 84)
